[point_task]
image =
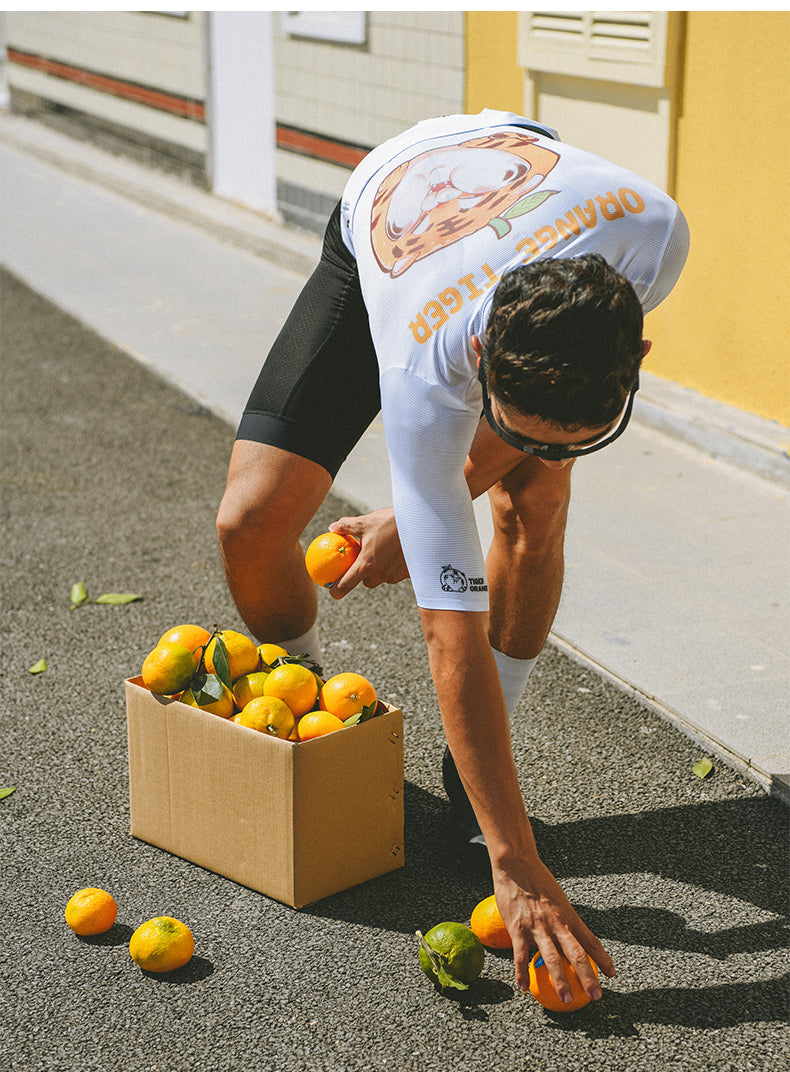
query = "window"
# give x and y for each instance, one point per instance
(348, 27)
(617, 46)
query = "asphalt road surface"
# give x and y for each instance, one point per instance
(111, 477)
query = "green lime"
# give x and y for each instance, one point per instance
(451, 955)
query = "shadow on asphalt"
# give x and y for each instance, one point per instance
(692, 845)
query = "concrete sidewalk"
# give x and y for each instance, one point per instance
(678, 577)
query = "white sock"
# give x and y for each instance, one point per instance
(308, 644)
(514, 675)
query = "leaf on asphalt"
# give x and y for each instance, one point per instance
(703, 768)
(7, 792)
(118, 599)
(39, 667)
(78, 594)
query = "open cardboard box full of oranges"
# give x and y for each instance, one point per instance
(296, 817)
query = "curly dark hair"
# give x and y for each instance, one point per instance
(564, 341)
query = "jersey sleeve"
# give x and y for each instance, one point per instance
(672, 261)
(428, 437)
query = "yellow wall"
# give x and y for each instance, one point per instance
(493, 76)
(725, 330)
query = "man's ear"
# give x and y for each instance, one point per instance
(647, 346)
(477, 347)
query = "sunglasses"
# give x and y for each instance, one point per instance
(555, 452)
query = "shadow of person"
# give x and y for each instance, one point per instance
(661, 929)
(710, 1008)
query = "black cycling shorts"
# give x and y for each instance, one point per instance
(319, 387)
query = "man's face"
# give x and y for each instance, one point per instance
(554, 446)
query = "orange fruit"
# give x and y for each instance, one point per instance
(542, 989)
(346, 694)
(224, 707)
(248, 687)
(168, 669)
(91, 911)
(162, 944)
(295, 685)
(243, 656)
(329, 556)
(194, 637)
(270, 652)
(317, 724)
(267, 714)
(488, 925)
(451, 955)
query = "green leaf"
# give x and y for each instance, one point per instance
(703, 768)
(219, 657)
(528, 203)
(206, 689)
(39, 667)
(364, 715)
(78, 594)
(117, 599)
(7, 792)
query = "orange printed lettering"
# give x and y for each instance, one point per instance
(611, 209)
(420, 329)
(434, 309)
(567, 226)
(452, 299)
(467, 281)
(548, 236)
(492, 276)
(587, 215)
(631, 199)
(531, 245)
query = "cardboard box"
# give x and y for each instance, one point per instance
(297, 822)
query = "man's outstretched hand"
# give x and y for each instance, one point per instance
(380, 560)
(537, 913)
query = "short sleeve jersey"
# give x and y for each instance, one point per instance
(435, 217)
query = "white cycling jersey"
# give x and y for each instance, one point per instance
(435, 217)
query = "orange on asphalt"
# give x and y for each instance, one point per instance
(91, 911)
(346, 694)
(243, 655)
(488, 925)
(318, 724)
(168, 669)
(541, 986)
(193, 637)
(162, 944)
(329, 556)
(295, 685)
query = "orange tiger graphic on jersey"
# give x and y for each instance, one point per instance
(445, 194)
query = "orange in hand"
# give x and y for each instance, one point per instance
(542, 989)
(329, 556)
(488, 925)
